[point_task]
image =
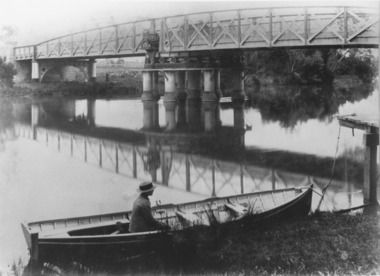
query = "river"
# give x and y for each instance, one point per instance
(63, 157)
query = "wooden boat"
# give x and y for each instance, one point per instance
(102, 238)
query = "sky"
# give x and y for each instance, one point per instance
(39, 20)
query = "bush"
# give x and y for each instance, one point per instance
(7, 72)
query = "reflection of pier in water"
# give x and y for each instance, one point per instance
(162, 163)
(181, 158)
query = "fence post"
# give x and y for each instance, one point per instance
(242, 178)
(188, 179)
(72, 145)
(213, 177)
(117, 157)
(273, 180)
(100, 154)
(134, 162)
(59, 141)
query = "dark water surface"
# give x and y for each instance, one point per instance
(71, 157)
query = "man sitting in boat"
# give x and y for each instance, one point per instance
(142, 219)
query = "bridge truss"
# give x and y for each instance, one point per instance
(234, 29)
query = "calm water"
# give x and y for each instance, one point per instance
(70, 157)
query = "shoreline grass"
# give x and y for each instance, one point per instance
(321, 244)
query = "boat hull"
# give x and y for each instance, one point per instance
(86, 246)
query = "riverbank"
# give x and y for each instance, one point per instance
(322, 244)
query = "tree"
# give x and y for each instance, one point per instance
(7, 72)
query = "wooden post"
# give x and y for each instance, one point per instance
(59, 141)
(100, 154)
(242, 178)
(71, 145)
(85, 149)
(213, 179)
(273, 180)
(34, 251)
(371, 140)
(188, 179)
(134, 163)
(116, 158)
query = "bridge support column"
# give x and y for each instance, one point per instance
(209, 86)
(181, 99)
(238, 89)
(35, 119)
(91, 70)
(156, 92)
(35, 71)
(147, 94)
(148, 116)
(218, 90)
(91, 112)
(239, 123)
(193, 84)
(209, 109)
(170, 101)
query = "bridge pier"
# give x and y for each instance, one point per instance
(218, 90)
(149, 98)
(147, 94)
(91, 112)
(35, 114)
(148, 116)
(193, 85)
(238, 93)
(239, 123)
(181, 99)
(209, 94)
(35, 71)
(170, 100)
(210, 121)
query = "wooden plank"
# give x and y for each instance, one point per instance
(359, 121)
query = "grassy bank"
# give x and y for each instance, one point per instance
(322, 244)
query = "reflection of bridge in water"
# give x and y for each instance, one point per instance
(165, 158)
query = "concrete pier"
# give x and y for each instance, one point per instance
(170, 100)
(193, 84)
(209, 94)
(238, 93)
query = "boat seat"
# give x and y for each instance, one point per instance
(239, 210)
(189, 217)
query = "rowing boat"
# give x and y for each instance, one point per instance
(101, 238)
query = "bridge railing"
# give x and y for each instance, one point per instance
(237, 29)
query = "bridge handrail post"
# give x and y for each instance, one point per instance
(239, 28)
(116, 39)
(306, 25)
(270, 28)
(345, 30)
(186, 25)
(211, 30)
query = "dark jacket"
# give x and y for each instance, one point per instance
(142, 218)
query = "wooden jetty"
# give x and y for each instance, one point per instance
(370, 124)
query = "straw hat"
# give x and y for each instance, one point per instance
(146, 187)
